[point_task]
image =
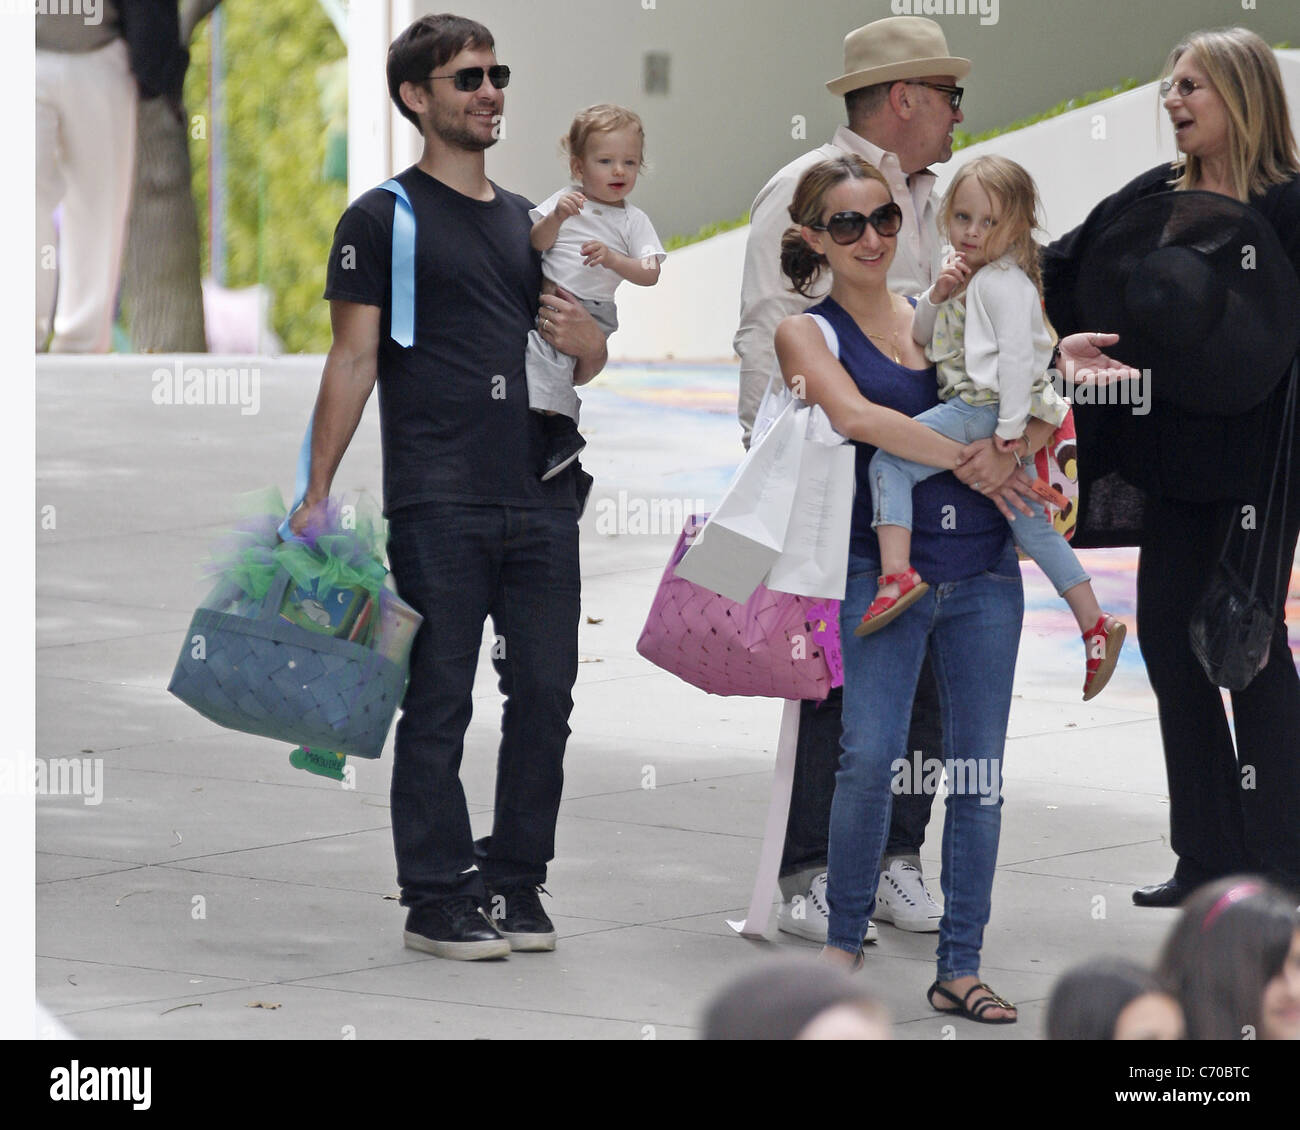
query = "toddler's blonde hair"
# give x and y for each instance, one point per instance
(1014, 194)
(604, 117)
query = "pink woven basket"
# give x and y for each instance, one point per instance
(775, 645)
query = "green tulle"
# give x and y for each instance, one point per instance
(342, 547)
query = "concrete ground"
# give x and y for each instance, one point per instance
(214, 891)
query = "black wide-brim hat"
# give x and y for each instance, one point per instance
(1201, 293)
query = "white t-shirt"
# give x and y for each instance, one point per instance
(626, 229)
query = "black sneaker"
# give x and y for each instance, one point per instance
(564, 443)
(582, 488)
(454, 928)
(517, 912)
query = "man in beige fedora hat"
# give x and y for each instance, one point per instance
(901, 96)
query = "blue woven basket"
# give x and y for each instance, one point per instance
(261, 675)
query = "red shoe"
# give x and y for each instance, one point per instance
(1103, 646)
(886, 608)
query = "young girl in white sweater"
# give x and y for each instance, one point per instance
(982, 323)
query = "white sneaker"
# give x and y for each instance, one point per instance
(806, 916)
(903, 900)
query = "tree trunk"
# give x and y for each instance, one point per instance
(162, 294)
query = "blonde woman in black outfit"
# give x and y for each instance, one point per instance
(1224, 97)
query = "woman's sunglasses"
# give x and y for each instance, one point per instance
(471, 78)
(1184, 86)
(847, 227)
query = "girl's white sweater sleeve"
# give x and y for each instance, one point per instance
(923, 319)
(1004, 336)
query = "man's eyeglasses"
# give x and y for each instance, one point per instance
(1184, 86)
(847, 227)
(471, 78)
(954, 93)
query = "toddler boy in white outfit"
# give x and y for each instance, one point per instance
(591, 239)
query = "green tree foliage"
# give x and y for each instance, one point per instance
(280, 209)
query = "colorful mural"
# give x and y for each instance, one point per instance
(671, 429)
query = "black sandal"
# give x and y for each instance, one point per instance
(980, 1008)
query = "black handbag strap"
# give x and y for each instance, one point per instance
(1280, 483)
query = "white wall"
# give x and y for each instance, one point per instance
(1076, 159)
(743, 69)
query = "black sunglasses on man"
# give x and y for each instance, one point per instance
(469, 79)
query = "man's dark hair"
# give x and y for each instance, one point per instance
(425, 46)
(866, 100)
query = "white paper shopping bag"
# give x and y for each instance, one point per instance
(814, 558)
(814, 561)
(744, 535)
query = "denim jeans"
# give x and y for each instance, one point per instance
(815, 760)
(972, 630)
(892, 480)
(456, 565)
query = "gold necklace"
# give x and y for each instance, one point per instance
(894, 337)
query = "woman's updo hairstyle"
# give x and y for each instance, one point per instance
(800, 263)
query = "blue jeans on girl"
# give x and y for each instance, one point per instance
(892, 480)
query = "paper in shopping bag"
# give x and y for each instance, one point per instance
(745, 533)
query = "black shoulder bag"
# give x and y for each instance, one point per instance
(1232, 626)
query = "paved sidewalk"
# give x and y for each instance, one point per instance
(214, 878)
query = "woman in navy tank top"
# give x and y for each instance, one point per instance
(970, 618)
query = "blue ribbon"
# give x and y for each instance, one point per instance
(300, 482)
(401, 326)
(402, 323)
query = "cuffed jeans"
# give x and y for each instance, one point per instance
(892, 480)
(972, 630)
(457, 565)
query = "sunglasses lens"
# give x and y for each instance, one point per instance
(499, 76)
(887, 220)
(846, 227)
(471, 78)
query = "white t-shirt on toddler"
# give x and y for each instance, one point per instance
(625, 229)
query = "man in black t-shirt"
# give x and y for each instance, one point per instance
(472, 531)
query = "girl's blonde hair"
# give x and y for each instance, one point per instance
(1243, 71)
(1015, 196)
(801, 264)
(601, 118)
